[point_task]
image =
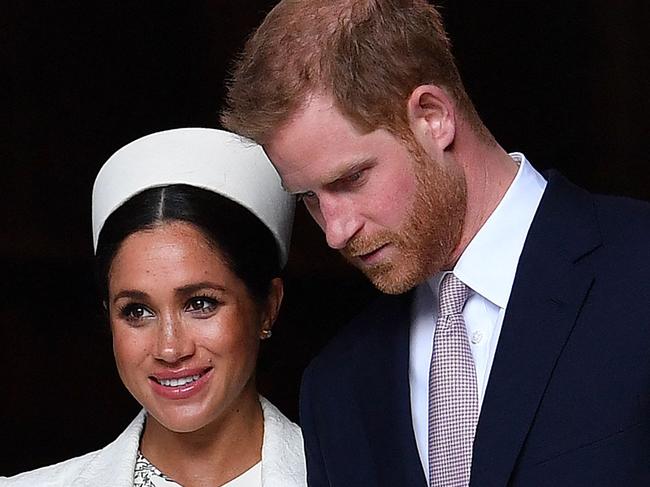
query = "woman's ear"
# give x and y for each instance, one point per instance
(272, 306)
(432, 117)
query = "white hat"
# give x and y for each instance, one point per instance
(211, 159)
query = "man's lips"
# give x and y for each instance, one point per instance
(367, 257)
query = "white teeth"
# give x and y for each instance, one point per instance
(178, 382)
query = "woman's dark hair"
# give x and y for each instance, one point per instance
(248, 246)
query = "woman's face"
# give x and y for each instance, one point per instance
(185, 329)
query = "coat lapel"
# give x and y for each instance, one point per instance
(283, 456)
(385, 398)
(114, 464)
(549, 289)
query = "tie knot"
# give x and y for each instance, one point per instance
(453, 294)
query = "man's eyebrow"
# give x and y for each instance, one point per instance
(293, 193)
(287, 190)
(348, 169)
(345, 170)
(336, 174)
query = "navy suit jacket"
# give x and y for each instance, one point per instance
(568, 398)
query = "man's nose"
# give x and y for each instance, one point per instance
(339, 220)
(174, 342)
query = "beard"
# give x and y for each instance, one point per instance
(428, 237)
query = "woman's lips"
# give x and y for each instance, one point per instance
(180, 384)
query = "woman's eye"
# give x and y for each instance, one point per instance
(136, 312)
(202, 305)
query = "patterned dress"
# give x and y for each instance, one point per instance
(146, 474)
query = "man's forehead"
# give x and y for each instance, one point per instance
(318, 146)
(318, 127)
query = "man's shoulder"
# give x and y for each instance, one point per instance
(568, 211)
(622, 217)
(614, 212)
(608, 236)
(624, 257)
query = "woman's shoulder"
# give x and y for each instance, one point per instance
(110, 464)
(283, 454)
(59, 474)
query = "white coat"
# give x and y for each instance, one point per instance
(283, 459)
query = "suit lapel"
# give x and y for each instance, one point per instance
(385, 397)
(549, 289)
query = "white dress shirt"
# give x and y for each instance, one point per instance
(487, 267)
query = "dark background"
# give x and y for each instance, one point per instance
(565, 82)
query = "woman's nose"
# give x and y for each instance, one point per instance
(174, 342)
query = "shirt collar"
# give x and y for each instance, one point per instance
(489, 262)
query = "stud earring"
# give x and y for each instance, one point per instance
(265, 334)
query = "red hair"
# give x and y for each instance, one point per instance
(368, 55)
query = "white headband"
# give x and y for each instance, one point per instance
(211, 159)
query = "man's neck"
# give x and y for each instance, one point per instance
(489, 172)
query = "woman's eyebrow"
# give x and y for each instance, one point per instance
(194, 287)
(131, 293)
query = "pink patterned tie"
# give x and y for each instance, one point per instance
(453, 398)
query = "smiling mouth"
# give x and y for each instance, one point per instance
(179, 381)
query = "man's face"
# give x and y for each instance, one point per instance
(387, 206)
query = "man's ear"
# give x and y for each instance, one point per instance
(431, 116)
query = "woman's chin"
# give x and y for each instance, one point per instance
(174, 423)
